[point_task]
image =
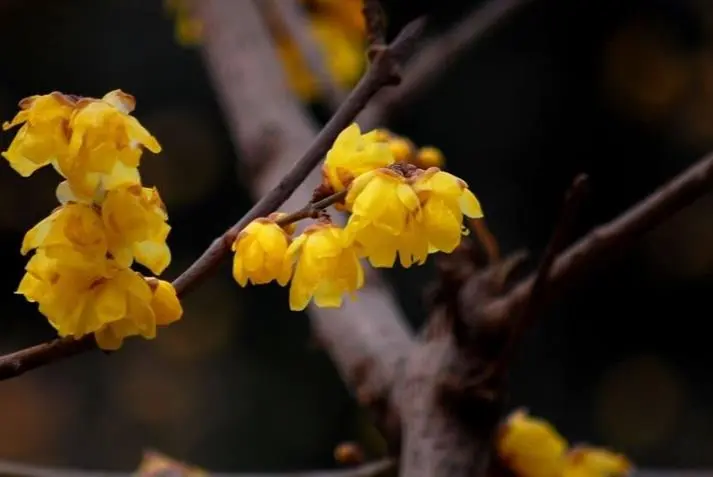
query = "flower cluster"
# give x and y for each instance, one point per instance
(531, 447)
(336, 26)
(397, 209)
(80, 273)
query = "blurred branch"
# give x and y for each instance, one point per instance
(12, 469)
(296, 22)
(607, 240)
(432, 60)
(560, 237)
(368, 337)
(380, 74)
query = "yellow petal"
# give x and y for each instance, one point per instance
(469, 205)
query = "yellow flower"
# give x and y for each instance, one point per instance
(83, 138)
(384, 220)
(444, 199)
(43, 135)
(73, 233)
(134, 218)
(162, 308)
(261, 253)
(345, 13)
(401, 148)
(343, 55)
(428, 156)
(353, 154)
(102, 134)
(327, 267)
(164, 302)
(585, 461)
(78, 301)
(531, 447)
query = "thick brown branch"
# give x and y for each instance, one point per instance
(13, 469)
(433, 59)
(296, 22)
(379, 75)
(368, 337)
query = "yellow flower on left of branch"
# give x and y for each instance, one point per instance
(83, 138)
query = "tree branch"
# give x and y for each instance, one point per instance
(380, 74)
(607, 240)
(13, 469)
(366, 338)
(539, 293)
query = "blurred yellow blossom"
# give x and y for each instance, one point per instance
(429, 156)
(343, 57)
(353, 154)
(327, 267)
(401, 148)
(586, 461)
(336, 26)
(261, 253)
(531, 447)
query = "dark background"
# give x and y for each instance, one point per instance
(621, 90)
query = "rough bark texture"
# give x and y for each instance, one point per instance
(367, 338)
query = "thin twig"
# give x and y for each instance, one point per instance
(375, 27)
(605, 241)
(312, 209)
(538, 293)
(12, 469)
(380, 74)
(296, 22)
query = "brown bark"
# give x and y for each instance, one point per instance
(366, 338)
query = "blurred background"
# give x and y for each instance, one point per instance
(620, 90)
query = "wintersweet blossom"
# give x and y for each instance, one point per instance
(385, 212)
(354, 154)
(79, 274)
(326, 267)
(261, 253)
(83, 138)
(134, 218)
(586, 461)
(444, 200)
(531, 447)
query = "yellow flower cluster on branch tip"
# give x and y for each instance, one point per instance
(531, 447)
(397, 210)
(80, 273)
